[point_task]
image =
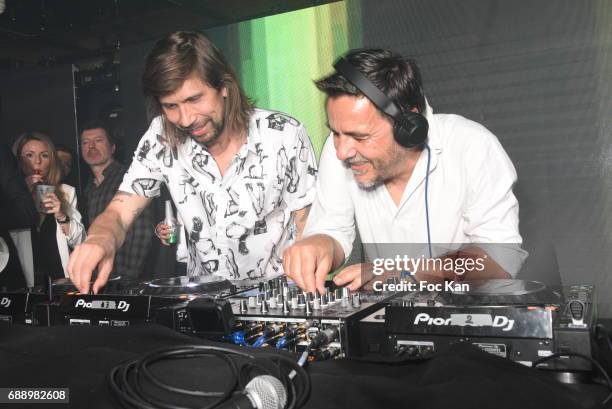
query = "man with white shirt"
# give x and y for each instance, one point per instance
(403, 175)
(241, 178)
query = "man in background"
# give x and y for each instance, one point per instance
(98, 151)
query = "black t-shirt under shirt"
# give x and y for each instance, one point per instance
(47, 259)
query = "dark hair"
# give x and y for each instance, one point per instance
(399, 78)
(177, 56)
(61, 147)
(98, 124)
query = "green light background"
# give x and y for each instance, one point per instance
(282, 55)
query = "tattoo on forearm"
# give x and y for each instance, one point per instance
(119, 196)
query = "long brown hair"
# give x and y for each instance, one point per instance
(177, 56)
(54, 176)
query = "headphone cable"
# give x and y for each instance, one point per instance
(426, 199)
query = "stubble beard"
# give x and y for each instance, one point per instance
(211, 138)
(383, 169)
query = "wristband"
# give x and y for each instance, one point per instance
(65, 220)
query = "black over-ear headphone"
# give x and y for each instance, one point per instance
(409, 128)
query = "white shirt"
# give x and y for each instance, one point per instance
(237, 225)
(470, 197)
(76, 230)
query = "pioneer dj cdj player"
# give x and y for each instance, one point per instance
(521, 320)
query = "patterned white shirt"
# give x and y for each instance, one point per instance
(237, 224)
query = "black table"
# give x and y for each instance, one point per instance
(465, 377)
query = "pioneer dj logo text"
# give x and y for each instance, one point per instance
(103, 305)
(5, 302)
(500, 321)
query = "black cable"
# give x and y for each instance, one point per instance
(143, 364)
(151, 359)
(293, 400)
(126, 399)
(126, 379)
(588, 358)
(300, 398)
(134, 396)
(302, 395)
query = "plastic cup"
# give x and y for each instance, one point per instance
(41, 192)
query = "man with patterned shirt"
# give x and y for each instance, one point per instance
(242, 178)
(107, 174)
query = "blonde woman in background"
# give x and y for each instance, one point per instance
(59, 227)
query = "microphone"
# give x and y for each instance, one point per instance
(262, 392)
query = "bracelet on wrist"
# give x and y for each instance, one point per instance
(65, 220)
